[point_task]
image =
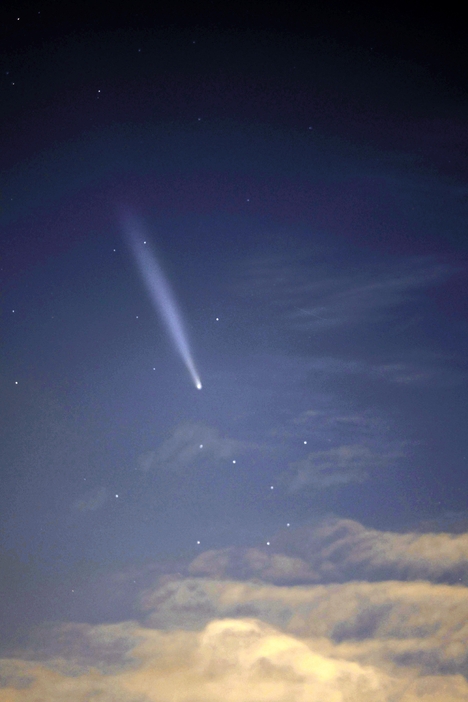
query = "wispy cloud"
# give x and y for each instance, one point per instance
(310, 294)
(91, 500)
(337, 550)
(338, 447)
(190, 444)
(336, 466)
(426, 369)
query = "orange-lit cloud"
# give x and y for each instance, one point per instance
(230, 659)
(214, 639)
(340, 550)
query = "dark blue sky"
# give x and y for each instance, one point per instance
(305, 187)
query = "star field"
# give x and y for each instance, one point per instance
(233, 363)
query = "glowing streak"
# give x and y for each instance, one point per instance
(161, 294)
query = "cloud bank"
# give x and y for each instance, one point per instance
(379, 616)
(338, 550)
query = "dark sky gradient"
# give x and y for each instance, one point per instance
(302, 175)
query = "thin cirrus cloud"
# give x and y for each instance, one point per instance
(381, 618)
(335, 466)
(350, 448)
(91, 500)
(191, 443)
(347, 447)
(343, 423)
(310, 294)
(418, 368)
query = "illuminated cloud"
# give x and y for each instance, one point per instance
(395, 625)
(337, 550)
(376, 642)
(355, 611)
(253, 563)
(225, 639)
(230, 659)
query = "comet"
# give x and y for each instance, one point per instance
(160, 292)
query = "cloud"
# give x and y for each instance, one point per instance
(334, 423)
(366, 295)
(207, 639)
(422, 369)
(230, 659)
(191, 443)
(253, 563)
(314, 295)
(294, 609)
(342, 549)
(348, 448)
(271, 665)
(344, 425)
(390, 624)
(352, 642)
(335, 466)
(91, 500)
(337, 550)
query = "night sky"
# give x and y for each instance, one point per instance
(283, 192)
